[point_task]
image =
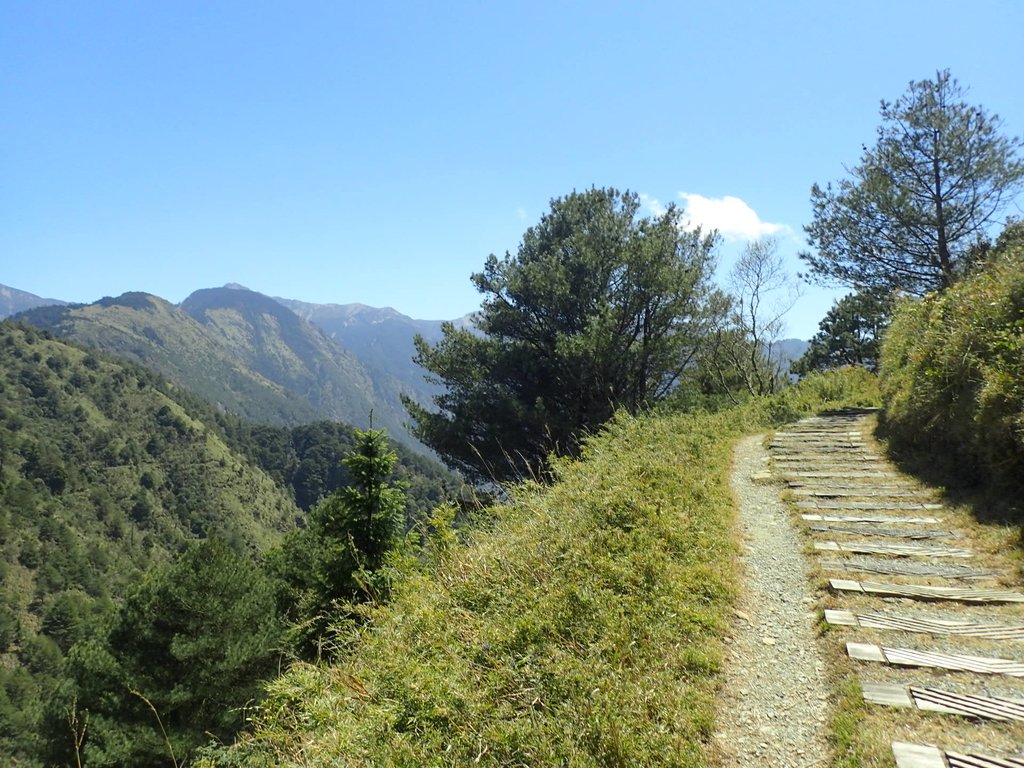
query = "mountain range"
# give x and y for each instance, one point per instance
(270, 360)
(258, 357)
(13, 301)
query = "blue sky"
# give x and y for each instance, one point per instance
(378, 152)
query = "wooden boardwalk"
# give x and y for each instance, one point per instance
(949, 628)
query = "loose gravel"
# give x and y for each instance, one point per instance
(773, 704)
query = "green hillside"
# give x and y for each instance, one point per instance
(148, 330)
(105, 472)
(238, 349)
(277, 344)
(583, 625)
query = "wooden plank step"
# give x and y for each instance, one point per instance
(825, 446)
(835, 451)
(896, 549)
(918, 756)
(814, 483)
(812, 458)
(841, 474)
(827, 432)
(958, 760)
(926, 756)
(894, 533)
(904, 567)
(904, 623)
(868, 491)
(813, 518)
(873, 505)
(927, 592)
(947, 702)
(954, 662)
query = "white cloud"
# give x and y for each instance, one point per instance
(733, 218)
(652, 204)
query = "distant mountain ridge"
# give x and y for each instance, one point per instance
(239, 349)
(381, 337)
(13, 301)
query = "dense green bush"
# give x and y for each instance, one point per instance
(953, 372)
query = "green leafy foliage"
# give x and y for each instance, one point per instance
(598, 310)
(953, 372)
(850, 334)
(307, 460)
(189, 646)
(336, 559)
(106, 471)
(916, 206)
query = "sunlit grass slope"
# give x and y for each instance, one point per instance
(582, 626)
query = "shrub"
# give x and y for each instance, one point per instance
(953, 373)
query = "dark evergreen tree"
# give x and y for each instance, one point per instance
(336, 559)
(850, 334)
(186, 653)
(918, 203)
(599, 309)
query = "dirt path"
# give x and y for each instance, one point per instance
(773, 707)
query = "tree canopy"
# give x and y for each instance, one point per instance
(599, 309)
(849, 334)
(914, 208)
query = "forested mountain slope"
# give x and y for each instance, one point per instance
(381, 338)
(236, 348)
(105, 471)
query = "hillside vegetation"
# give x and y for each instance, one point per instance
(953, 371)
(240, 350)
(108, 474)
(104, 474)
(581, 626)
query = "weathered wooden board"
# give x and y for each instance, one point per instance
(864, 492)
(872, 505)
(824, 483)
(820, 450)
(798, 433)
(897, 550)
(810, 445)
(927, 756)
(817, 458)
(947, 702)
(905, 567)
(917, 756)
(813, 518)
(958, 760)
(927, 592)
(840, 474)
(893, 533)
(904, 623)
(819, 438)
(954, 662)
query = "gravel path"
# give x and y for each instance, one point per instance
(773, 704)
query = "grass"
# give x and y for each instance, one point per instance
(583, 625)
